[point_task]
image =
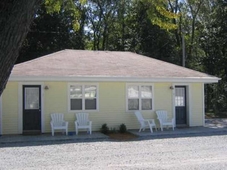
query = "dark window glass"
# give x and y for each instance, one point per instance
(76, 104)
(133, 104)
(146, 104)
(90, 104)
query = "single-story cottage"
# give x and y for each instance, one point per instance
(109, 85)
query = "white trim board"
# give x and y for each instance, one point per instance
(203, 102)
(0, 115)
(20, 105)
(189, 98)
(121, 79)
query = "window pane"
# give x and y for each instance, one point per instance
(133, 91)
(179, 101)
(31, 98)
(180, 97)
(146, 104)
(146, 91)
(76, 104)
(133, 104)
(90, 104)
(75, 91)
(90, 91)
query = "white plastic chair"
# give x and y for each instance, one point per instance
(164, 120)
(58, 123)
(82, 122)
(144, 123)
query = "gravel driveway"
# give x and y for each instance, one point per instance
(208, 152)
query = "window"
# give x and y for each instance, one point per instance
(180, 96)
(139, 97)
(83, 97)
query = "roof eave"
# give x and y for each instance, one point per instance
(121, 79)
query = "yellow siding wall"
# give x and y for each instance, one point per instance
(55, 101)
(112, 105)
(10, 109)
(162, 99)
(196, 104)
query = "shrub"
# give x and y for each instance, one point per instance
(113, 130)
(122, 128)
(104, 129)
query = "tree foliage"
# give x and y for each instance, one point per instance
(160, 14)
(70, 6)
(214, 42)
(154, 28)
(51, 32)
(15, 19)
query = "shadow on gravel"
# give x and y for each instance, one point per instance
(43, 143)
(140, 138)
(214, 127)
(172, 136)
(183, 136)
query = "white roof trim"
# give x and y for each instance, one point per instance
(121, 79)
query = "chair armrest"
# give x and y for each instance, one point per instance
(160, 121)
(150, 120)
(172, 120)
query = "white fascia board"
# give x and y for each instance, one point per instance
(119, 79)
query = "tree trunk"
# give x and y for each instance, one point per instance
(15, 19)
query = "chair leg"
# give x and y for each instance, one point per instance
(52, 132)
(155, 128)
(140, 129)
(151, 128)
(66, 131)
(161, 127)
(76, 129)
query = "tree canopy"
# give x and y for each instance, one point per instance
(150, 27)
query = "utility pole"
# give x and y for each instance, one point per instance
(183, 50)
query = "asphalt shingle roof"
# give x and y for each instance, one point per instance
(84, 63)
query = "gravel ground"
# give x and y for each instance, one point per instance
(208, 152)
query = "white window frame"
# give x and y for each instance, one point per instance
(140, 98)
(83, 97)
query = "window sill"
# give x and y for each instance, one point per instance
(79, 111)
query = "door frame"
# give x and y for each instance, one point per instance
(20, 105)
(1, 115)
(188, 102)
